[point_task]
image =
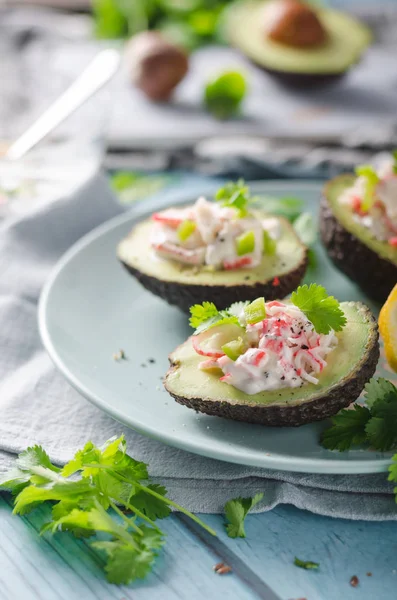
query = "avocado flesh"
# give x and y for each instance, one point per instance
(184, 285)
(372, 264)
(349, 367)
(347, 39)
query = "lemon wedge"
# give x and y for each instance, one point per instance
(388, 328)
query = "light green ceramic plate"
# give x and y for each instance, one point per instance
(91, 308)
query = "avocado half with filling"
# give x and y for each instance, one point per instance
(183, 285)
(341, 46)
(349, 367)
(371, 263)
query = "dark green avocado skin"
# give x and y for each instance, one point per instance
(303, 80)
(375, 275)
(340, 396)
(184, 296)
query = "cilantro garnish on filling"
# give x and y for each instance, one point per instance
(322, 310)
(206, 315)
(235, 195)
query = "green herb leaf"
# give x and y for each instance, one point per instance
(122, 180)
(379, 389)
(381, 429)
(322, 310)
(206, 315)
(149, 505)
(235, 195)
(306, 228)
(200, 313)
(235, 512)
(237, 308)
(224, 94)
(103, 477)
(305, 564)
(348, 429)
(374, 424)
(287, 207)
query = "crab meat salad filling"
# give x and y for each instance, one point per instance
(373, 199)
(261, 346)
(220, 235)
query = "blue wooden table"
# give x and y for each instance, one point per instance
(65, 568)
(62, 567)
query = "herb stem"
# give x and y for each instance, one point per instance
(127, 521)
(177, 507)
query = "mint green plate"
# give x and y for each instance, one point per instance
(90, 308)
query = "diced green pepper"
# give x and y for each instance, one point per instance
(245, 243)
(372, 178)
(255, 312)
(234, 349)
(269, 244)
(185, 229)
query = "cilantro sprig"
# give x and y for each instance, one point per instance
(90, 495)
(235, 195)
(321, 309)
(374, 424)
(235, 512)
(206, 315)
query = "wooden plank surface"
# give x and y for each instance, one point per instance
(61, 567)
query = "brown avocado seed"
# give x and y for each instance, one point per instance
(293, 23)
(155, 65)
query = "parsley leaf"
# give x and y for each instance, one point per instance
(235, 511)
(305, 564)
(322, 310)
(348, 429)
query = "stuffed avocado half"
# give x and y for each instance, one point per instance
(276, 363)
(296, 41)
(358, 226)
(223, 251)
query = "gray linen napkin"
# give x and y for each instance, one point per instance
(37, 406)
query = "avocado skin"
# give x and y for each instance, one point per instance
(375, 275)
(303, 80)
(185, 295)
(293, 416)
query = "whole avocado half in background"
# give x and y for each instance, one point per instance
(346, 41)
(349, 367)
(372, 264)
(183, 285)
